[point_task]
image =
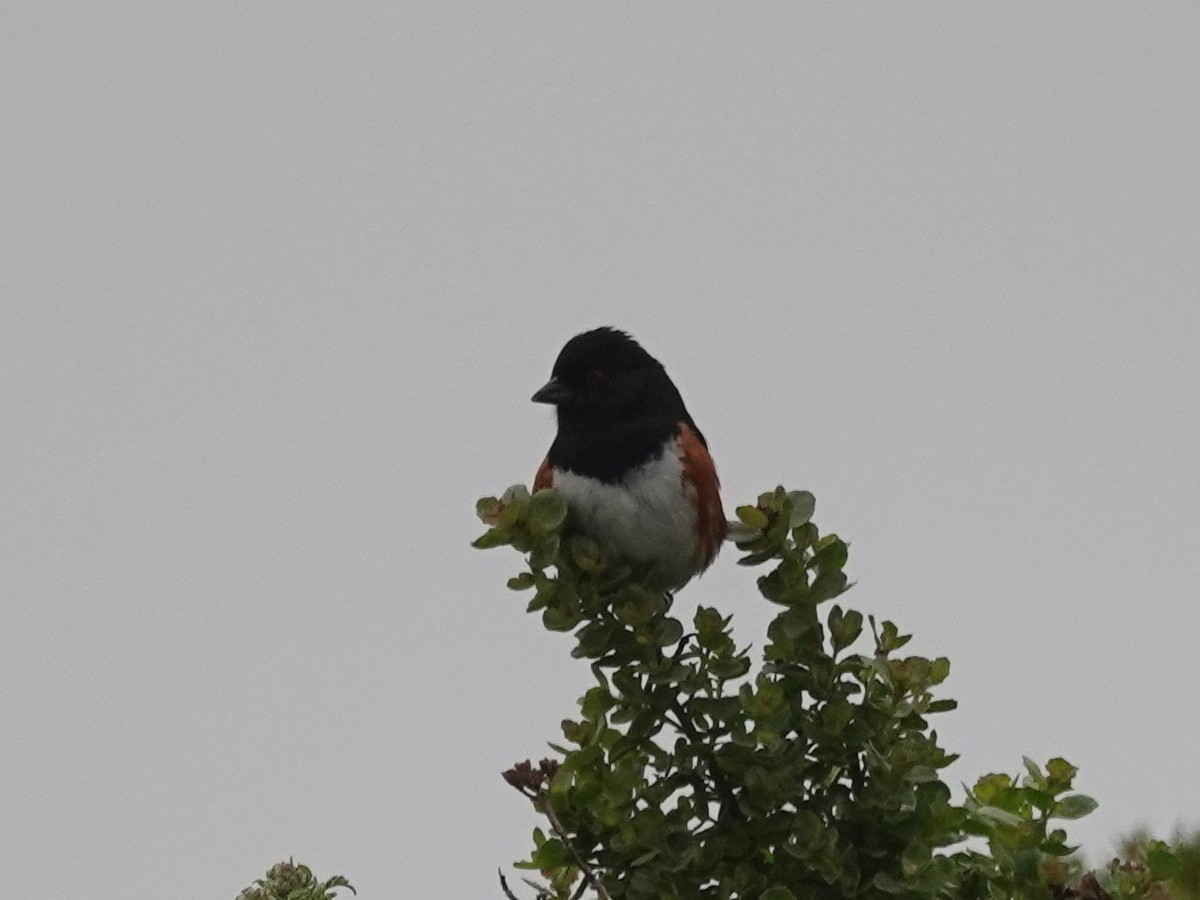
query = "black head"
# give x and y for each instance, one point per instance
(616, 405)
(604, 373)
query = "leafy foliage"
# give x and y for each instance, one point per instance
(1177, 863)
(289, 881)
(688, 775)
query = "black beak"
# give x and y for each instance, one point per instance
(554, 391)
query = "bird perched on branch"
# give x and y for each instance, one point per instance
(629, 460)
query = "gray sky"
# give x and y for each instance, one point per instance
(277, 284)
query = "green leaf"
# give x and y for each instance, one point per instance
(793, 624)
(645, 858)
(547, 593)
(514, 503)
(522, 582)
(595, 703)
(752, 517)
(844, 627)
(635, 609)
(551, 855)
(778, 892)
(921, 774)
(493, 537)
(587, 554)
(729, 668)
(827, 585)
(667, 632)
(1075, 806)
(1164, 864)
(803, 506)
(836, 715)
(831, 555)
(915, 859)
(560, 619)
(990, 787)
(577, 733)
(487, 508)
(1000, 816)
(1055, 845)
(544, 551)
(1042, 800)
(717, 709)
(708, 621)
(889, 885)
(1036, 778)
(889, 638)
(1060, 773)
(805, 536)
(757, 558)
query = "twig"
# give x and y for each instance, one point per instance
(728, 801)
(588, 873)
(683, 645)
(504, 886)
(583, 886)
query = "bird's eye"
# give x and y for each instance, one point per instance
(596, 376)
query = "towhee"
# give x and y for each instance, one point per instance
(630, 462)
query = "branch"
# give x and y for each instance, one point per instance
(504, 886)
(543, 804)
(728, 801)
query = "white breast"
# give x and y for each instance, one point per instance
(648, 517)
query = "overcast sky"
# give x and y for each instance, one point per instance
(277, 282)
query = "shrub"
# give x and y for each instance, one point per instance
(689, 773)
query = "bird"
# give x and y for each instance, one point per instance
(630, 461)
